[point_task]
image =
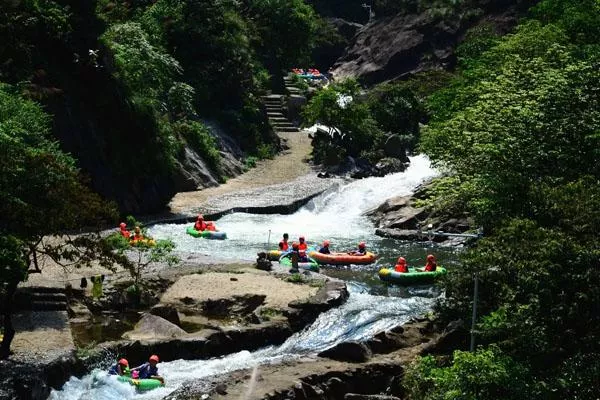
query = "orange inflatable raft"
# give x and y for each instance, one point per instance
(342, 258)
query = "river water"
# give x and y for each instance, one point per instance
(336, 215)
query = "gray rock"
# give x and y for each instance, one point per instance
(389, 166)
(348, 351)
(152, 327)
(167, 312)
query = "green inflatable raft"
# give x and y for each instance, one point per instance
(141, 384)
(414, 276)
(310, 265)
(206, 234)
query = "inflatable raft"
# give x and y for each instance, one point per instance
(342, 258)
(144, 241)
(273, 255)
(141, 384)
(310, 265)
(206, 234)
(412, 277)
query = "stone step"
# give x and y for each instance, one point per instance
(277, 107)
(48, 306)
(274, 114)
(287, 129)
(283, 124)
(55, 297)
(278, 119)
(270, 97)
(43, 289)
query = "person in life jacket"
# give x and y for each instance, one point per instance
(431, 265)
(137, 234)
(123, 230)
(120, 368)
(283, 244)
(149, 370)
(401, 265)
(302, 245)
(200, 225)
(361, 251)
(325, 248)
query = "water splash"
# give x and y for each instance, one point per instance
(362, 316)
(336, 215)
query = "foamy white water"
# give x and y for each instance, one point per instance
(335, 215)
(359, 318)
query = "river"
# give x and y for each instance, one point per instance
(336, 215)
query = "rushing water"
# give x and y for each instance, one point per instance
(337, 216)
(359, 318)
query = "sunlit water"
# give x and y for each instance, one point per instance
(359, 318)
(336, 215)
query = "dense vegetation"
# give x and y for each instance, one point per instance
(517, 130)
(360, 124)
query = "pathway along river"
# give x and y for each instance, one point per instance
(336, 215)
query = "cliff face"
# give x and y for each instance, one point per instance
(394, 47)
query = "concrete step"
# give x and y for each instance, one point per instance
(278, 119)
(281, 124)
(277, 107)
(272, 97)
(274, 114)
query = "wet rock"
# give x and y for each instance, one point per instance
(154, 327)
(389, 165)
(332, 294)
(336, 387)
(356, 396)
(397, 213)
(241, 306)
(167, 312)
(454, 337)
(395, 147)
(348, 351)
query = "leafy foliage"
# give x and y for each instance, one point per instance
(484, 375)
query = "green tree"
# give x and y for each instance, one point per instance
(351, 126)
(487, 374)
(41, 194)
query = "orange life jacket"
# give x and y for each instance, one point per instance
(200, 226)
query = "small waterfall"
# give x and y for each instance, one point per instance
(359, 318)
(335, 215)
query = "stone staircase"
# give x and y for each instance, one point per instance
(38, 298)
(274, 105)
(289, 86)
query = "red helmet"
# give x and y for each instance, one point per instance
(362, 245)
(123, 225)
(301, 238)
(430, 257)
(326, 243)
(124, 362)
(401, 260)
(154, 357)
(295, 246)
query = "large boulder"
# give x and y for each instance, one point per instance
(152, 327)
(389, 165)
(397, 212)
(398, 46)
(167, 312)
(395, 146)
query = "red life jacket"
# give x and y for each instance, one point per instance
(284, 245)
(430, 266)
(125, 233)
(401, 268)
(200, 226)
(302, 246)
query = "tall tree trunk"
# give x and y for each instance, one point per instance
(9, 330)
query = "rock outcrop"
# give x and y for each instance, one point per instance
(397, 46)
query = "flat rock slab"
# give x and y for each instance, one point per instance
(214, 285)
(42, 336)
